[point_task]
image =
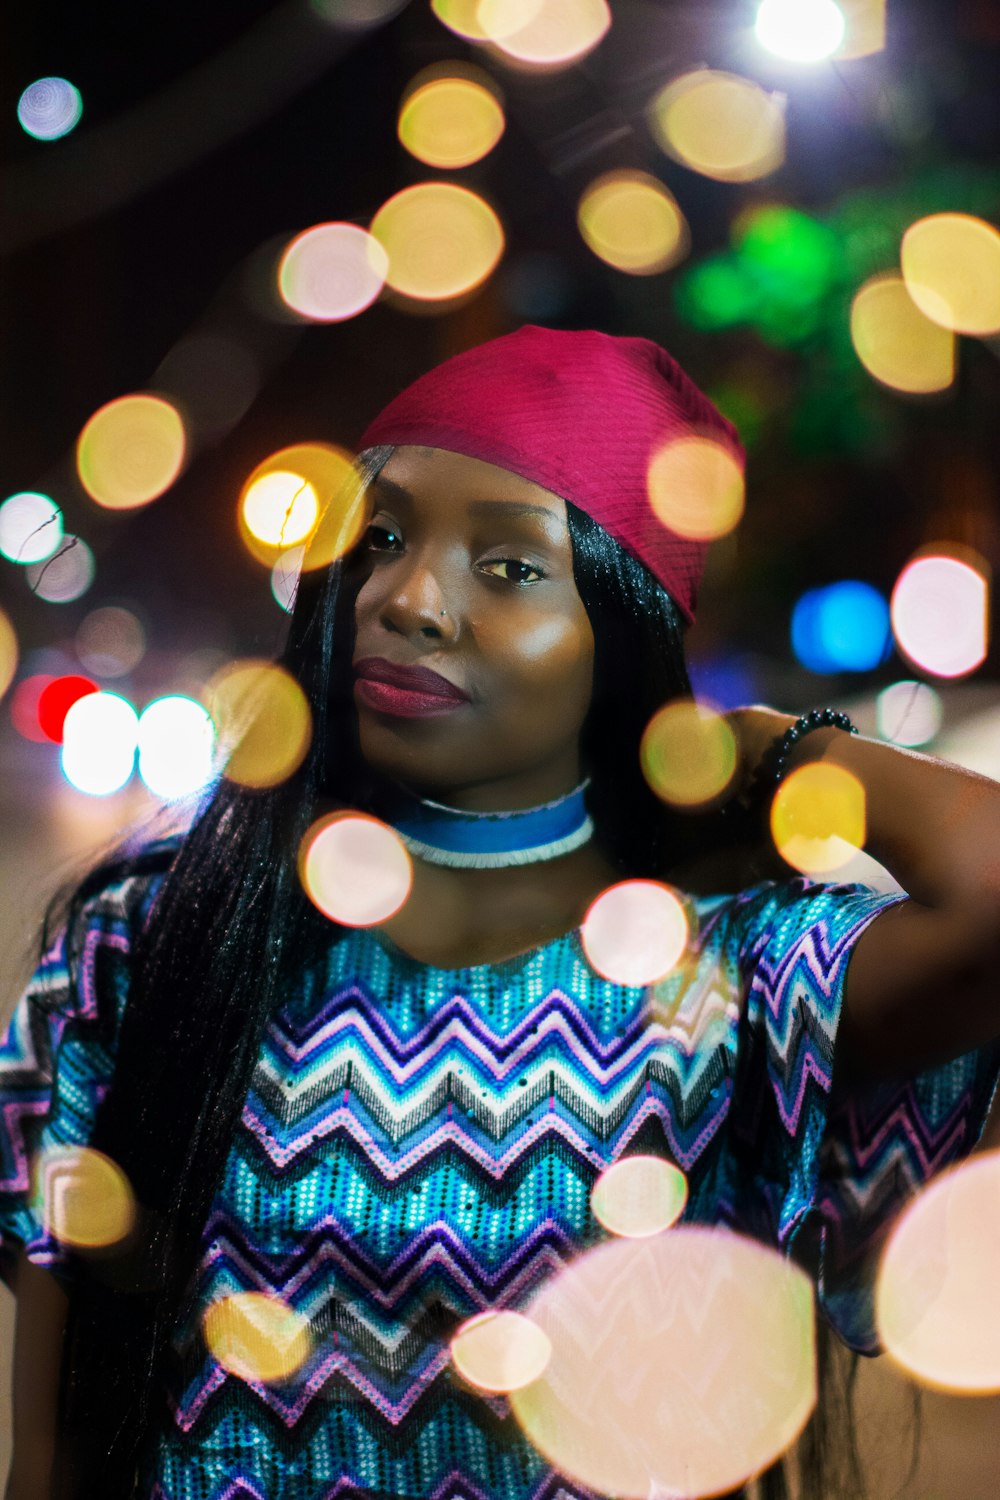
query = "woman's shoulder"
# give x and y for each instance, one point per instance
(118, 894)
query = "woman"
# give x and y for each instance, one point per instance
(334, 1116)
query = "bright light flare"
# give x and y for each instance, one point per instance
(500, 1351)
(131, 451)
(8, 652)
(110, 641)
(85, 1198)
(633, 223)
(257, 1337)
(635, 932)
(176, 739)
(800, 30)
(280, 509)
(937, 1302)
(100, 733)
(940, 614)
(332, 272)
(355, 869)
(66, 575)
(453, 120)
(951, 267)
(441, 239)
(49, 108)
(818, 818)
(721, 125)
(317, 474)
(908, 713)
(639, 1196)
(688, 753)
(896, 342)
(31, 527)
(696, 488)
(263, 722)
(681, 1364)
(555, 32)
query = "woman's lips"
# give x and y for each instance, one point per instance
(407, 692)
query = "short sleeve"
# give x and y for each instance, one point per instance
(827, 1169)
(57, 1058)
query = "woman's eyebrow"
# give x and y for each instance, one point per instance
(521, 510)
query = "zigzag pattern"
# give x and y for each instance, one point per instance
(419, 1145)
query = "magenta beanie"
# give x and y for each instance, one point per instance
(578, 412)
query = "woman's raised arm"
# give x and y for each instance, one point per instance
(38, 1345)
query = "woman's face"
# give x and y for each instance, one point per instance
(474, 654)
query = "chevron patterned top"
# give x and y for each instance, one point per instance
(419, 1145)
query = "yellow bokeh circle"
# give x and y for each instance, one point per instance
(720, 124)
(466, 18)
(818, 817)
(688, 753)
(86, 1199)
(500, 1351)
(256, 1336)
(263, 722)
(8, 652)
(896, 342)
(696, 487)
(544, 33)
(639, 1196)
(130, 451)
(441, 240)
(951, 266)
(632, 222)
(292, 485)
(451, 121)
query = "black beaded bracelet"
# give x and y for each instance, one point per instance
(774, 762)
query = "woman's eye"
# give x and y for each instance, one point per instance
(513, 570)
(382, 538)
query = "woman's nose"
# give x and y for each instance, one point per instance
(416, 604)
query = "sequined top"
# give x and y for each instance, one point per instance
(419, 1144)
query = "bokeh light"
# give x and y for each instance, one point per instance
(55, 701)
(639, 1196)
(285, 577)
(721, 125)
(688, 753)
(262, 719)
(544, 33)
(632, 222)
(110, 641)
(451, 120)
(332, 272)
(24, 706)
(895, 341)
(635, 932)
(681, 1364)
(843, 627)
(100, 733)
(130, 451)
(329, 473)
(940, 614)
(176, 739)
(355, 869)
(256, 1336)
(908, 713)
(696, 487)
(462, 17)
(85, 1199)
(8, 652)
(214, 376)
(66, 575)
(279, 508)
(800, 30)
(31, 527)
(500, 1351)
(865, 31)
(937, 1300)
(441, 239)
(818, 817)
(357, 15)
(951, 267)
(49, 108)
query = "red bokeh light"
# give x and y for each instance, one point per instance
(24, 706)
(55, 701)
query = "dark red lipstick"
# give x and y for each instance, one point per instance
(408, 692)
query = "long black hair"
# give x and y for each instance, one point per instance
(227, 931)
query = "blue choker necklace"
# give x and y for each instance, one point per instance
(443, 835)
